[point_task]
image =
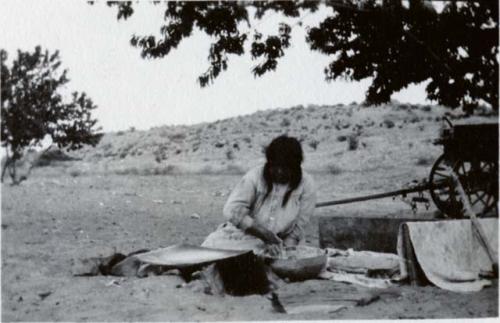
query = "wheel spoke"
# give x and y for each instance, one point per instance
(443, 192)
(480, 198)
(462, 166)
(472, 202)
(442, 175)
(488, 200)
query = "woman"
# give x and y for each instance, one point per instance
(271, 204)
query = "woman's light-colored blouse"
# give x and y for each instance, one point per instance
(246, 204)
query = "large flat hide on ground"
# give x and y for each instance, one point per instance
(449, 252)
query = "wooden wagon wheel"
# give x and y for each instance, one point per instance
(481, 184)
(479, 179)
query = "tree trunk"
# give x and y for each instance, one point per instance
(12, 171)
(7, 162)
(10, 165)
(4, 168)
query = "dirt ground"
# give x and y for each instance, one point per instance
(48, 221)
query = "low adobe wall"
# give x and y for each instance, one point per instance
(364, 233)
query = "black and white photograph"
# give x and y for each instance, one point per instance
(221, 161)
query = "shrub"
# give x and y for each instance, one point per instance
(127, 171)
(357, 128)
(168, 169)
(229, 154)
(285, 122)
(177, 137)
(353, 141)
(219, 144)
(75, 173)
(334, 169)
(160, 153)
(342, 138)
(388, 123)
(50, 156)
(120, 133)
(107, 146)
(314, 144)
(109, 153)
(415, 119)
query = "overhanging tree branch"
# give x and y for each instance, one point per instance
(393, 44)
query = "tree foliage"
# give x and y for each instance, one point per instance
(395, 43)
(33, 106)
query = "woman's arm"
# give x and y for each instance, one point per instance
(238, 208)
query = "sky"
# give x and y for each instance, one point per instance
(134, 92)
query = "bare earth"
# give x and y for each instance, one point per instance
(50, 220)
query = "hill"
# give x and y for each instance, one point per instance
(335, 139)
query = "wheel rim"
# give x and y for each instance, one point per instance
(442, 191)
(479, 179)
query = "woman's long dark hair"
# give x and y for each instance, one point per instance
(284, 152)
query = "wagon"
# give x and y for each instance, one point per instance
(471, 151)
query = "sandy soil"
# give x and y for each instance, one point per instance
(49, 221)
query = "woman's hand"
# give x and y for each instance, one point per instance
(274, 250)
(290, 242)
(264, 234)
